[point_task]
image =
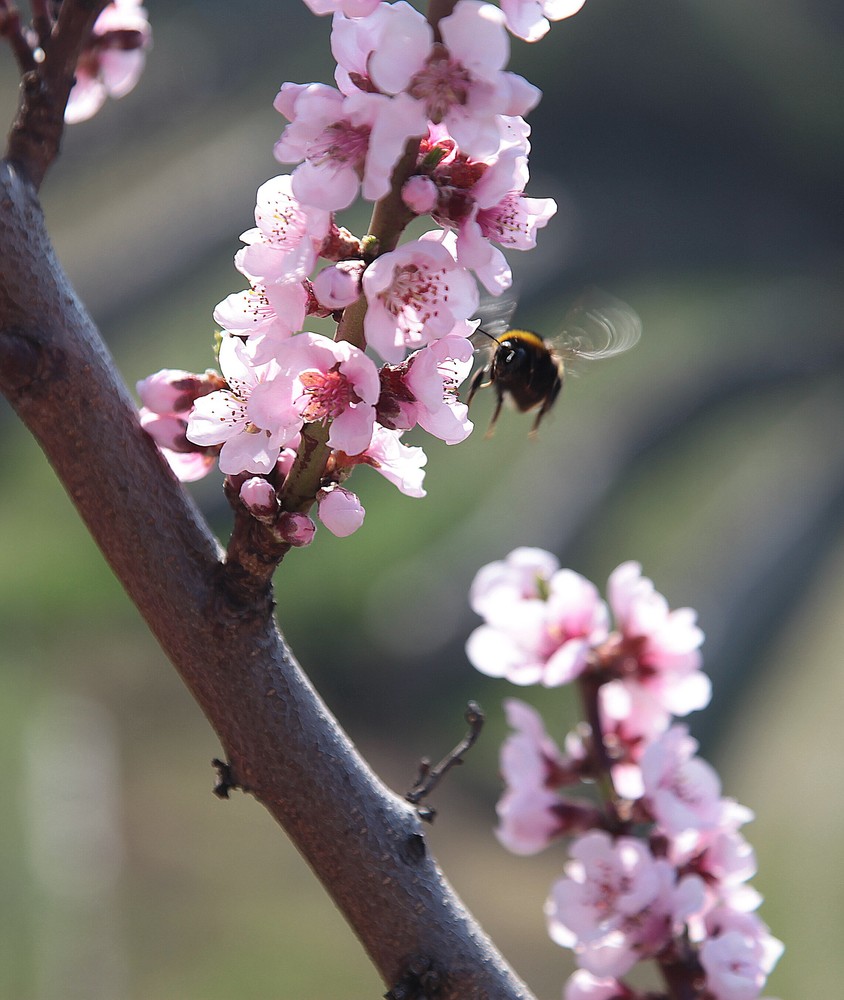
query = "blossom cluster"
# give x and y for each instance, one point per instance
(442, 103)
(659, 867)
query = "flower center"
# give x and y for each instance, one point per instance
(341, 143)
(326, 394)
(441, 84)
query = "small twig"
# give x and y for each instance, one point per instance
(429, 777)
(42, 20)
(11, 29)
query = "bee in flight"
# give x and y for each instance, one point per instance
(529, 370)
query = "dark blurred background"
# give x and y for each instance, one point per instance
(696, 151)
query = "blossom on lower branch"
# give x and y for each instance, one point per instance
(659, 866)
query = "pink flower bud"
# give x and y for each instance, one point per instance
(297, 529)
(340, 511)
(338, 286)
(420, 194)
(174, 391)
(167, 431)
(259, 497)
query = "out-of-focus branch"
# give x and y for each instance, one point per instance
(36, 133)
(281, 744)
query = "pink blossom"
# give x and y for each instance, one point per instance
(423, 390)
(433, 377)
(617, 903)
(382, 51)
(332, 382)
(398, 463)
(545, 639)
(166, 429)
(188, 462)
(630, 714)
(513, 222)
(530, 812)
(286, 241)
(528, 19)
(112, 61)
(415, 294)
(523, 575)
(681, 790)
(351, 8)
(339, 510)
(738, 956)
(266, 314)
(582, 985)
(461, 82)
(251, 443)
(478, 50)
(665, 643)
(344, 141)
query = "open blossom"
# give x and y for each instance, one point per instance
(423, 390)
(415, 294)
(112, 60)
(738, 956)
(287, 237)
(546, 636)
(460, 81)
(250, 440)
(666, 642)
(483, 200)
(618, 903)
(328, 382)
(528, 19)
(531, 813)
(342, 142)
(266, 314)
(400, 464)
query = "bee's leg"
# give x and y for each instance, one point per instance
(547, 403)
(477, 383)
(499, 400)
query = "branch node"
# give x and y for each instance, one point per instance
(225, 778)
(420, 981)
(429, 777)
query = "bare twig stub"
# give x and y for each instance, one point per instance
(429, 777)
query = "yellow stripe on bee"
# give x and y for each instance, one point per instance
(531, 338)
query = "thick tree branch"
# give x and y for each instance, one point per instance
(281, 744)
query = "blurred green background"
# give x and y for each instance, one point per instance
(696, 150)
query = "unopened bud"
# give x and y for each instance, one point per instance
(297, 529)
(167, 431)
(338, 286)
(340, 510)
(259, 497)
(172, 390)
(420, 194)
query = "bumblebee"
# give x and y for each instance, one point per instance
(529, 370)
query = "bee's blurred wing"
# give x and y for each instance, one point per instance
(600, 326)
(495, 315)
